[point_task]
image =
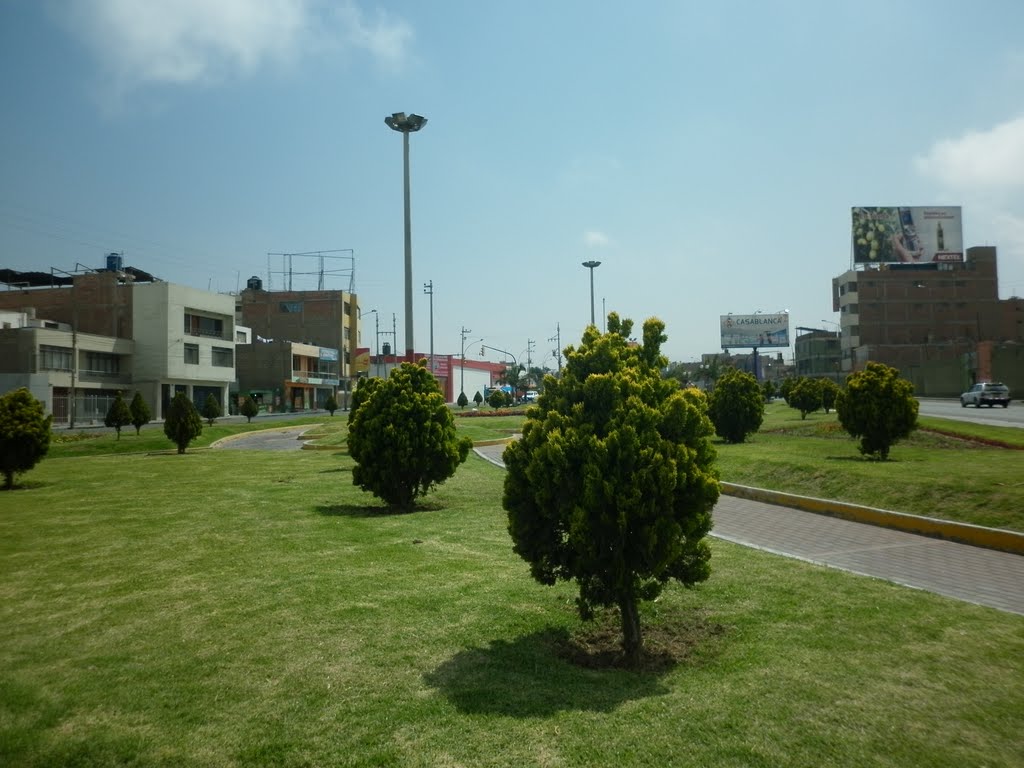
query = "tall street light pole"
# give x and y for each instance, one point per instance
(591, 265)
(406, 124)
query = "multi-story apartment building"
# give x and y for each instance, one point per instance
(941, 324)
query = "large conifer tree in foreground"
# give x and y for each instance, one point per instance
(612, 484)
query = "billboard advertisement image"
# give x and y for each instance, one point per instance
(755, 330)
(907, 235)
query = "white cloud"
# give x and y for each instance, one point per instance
(387, 39)
(595, 239)
(141, 42)
(978, 159)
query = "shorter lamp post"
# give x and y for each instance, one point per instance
(591, 265)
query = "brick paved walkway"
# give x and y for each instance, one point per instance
(961, 571)
(981, 576)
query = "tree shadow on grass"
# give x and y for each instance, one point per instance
(374, 510)
(554, 670)
(336, 469)
(25, 485)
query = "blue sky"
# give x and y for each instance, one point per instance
(707, 154)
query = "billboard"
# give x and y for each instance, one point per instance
(907, 235)
(757, 330)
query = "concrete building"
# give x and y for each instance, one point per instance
(941, 324)
(184, 343)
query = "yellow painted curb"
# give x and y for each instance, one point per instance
(976, 535)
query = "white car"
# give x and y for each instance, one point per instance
(986, 393)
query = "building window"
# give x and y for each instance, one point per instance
(192, 354)
(54, 358)
(223, 357)
(240, 337)
(198, 325)
(291, 307)
(102, 364)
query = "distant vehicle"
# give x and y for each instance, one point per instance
(986, 393)
(532, 395)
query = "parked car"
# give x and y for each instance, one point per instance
(986, 393)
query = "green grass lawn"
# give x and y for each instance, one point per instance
(229, 608)
(947, 469)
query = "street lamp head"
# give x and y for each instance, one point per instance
(591, 264)
(404, 123)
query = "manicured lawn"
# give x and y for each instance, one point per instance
(235, 609)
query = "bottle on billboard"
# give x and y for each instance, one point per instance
(908, 230)
(940, 238)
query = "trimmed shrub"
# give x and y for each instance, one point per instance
(118, 415)
(141, 415)
(24, 433)
(737, 406)
(182, 424)
(402, 436)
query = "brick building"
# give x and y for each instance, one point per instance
(941, 324)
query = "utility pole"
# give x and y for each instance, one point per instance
(557, 338)
(74, 355)
(462, 367)
(529, 359)
(428, 288)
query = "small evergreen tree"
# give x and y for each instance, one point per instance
(612, 484)
(330, 405)
(829, 392)
(141, 415)
(805, 396)
(768, 388)
(402, 437)
(249, 408)
(463, 401)
(182, 424)
(737, 406)
(211, 409)
(478, 398)
(118, 415)
(24, 433)
(878, 407)
(498, 398)
(786, 385)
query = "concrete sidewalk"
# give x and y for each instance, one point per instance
(982, 576)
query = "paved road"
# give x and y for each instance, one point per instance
(961, 571)
(951, 409)
(281, 439)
